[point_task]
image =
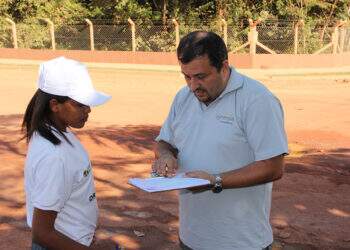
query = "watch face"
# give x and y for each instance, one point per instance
(218, 184)
(217, 188)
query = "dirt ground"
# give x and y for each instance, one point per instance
(311, 203)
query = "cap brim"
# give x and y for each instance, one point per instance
(93, 98)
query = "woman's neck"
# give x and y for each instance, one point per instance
(57, 123)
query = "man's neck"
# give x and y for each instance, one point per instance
(226, 79)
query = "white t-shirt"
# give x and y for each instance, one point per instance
(244, 124)
(60, 178)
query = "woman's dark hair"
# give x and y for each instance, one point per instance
(37, 117)
(199, 43)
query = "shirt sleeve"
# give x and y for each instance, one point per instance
(166, 132)
(264, 127)
(52, 184)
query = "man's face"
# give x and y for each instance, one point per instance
(70, 114)
(204, 80)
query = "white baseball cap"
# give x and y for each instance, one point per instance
(67, 77)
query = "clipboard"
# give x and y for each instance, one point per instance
(160, 184)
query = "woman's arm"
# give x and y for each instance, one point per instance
(44, 233)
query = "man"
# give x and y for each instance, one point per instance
(228, 129)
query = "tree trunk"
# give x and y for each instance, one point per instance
(221, 9)
(164, 19)
(328, 20)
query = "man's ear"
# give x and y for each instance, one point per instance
(54, 105)
(225, 64)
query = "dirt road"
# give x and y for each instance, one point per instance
(311, 203)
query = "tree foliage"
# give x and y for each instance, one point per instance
(191, 14)
(190, 10)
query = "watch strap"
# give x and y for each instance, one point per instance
(217, 187)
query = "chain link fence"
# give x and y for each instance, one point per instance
(33, 35)
(311, 40)
(236, 36)
(112, 37)
(150, 37)
(278, 36)
(75, 37)
(5, 37)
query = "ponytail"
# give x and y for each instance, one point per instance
(37, 117)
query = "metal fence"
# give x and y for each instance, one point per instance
(270, 36)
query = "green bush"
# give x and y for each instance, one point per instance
(5, 34)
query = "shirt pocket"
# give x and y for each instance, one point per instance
(184, 129)
(228, 129)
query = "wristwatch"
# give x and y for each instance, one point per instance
(217, 188)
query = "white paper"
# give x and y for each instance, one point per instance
(157, 184)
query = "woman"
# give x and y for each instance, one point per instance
(60, 193)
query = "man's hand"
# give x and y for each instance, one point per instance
(201, 175)
(165, 165)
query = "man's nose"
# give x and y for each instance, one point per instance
(193, 83)
(87, 109)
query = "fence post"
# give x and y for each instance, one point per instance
(177, 32)
(335, 36)
(133, 36)
(14, 32)
(253, 36)
(91, 29)
(52, 32)
(335, 39)
(224, 24)
(296, 35)
(342, 34)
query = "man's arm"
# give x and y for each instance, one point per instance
(44, 232)
(256, 173)
(165, 163)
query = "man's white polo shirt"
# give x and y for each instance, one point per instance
(244, 124)
(60, 178)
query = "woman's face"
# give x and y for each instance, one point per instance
(69, 114)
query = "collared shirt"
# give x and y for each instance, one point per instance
(59, 178)
(244, 124)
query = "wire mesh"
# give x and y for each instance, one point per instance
(186, 28)
(6, 40)
(155, 37)
(276, 35)
(33, 35)
(237, 37)
(112, 37)
(313, 39)
(346, 41)
(75, 37)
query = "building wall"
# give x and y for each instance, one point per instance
(169, 58)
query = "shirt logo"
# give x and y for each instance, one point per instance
(87, 171)
(92, 196)
(225, 118)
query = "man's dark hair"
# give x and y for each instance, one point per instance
(37, 117)
(200, 43)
